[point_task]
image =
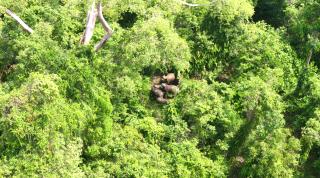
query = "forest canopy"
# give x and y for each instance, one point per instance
(176, 88)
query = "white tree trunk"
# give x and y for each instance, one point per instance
(91, 21)
(309, 57)
(193, 5)
(102, 42)
(106, 27)
(21, 22)
(104, 23)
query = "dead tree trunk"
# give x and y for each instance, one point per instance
(309, 57)
(102, 42)
(104, 23)
(106, 27)
(21, 22)
(91, 21)
(193, 5)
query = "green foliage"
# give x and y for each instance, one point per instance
(269, 149)
(304, 25)
(247, 106)
(143, 9)
(203, 49)
(154, 46)
(188, 161)
(310, 133)
(212, 121)
(256, 48)
(125, 154)
(40, 130)
(231, 10)
(274, 155)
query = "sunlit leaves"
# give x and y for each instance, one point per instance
(153, 45)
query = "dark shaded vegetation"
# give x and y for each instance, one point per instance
(271, 11)
(128, 19)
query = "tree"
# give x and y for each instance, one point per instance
(272, 155)
(268, 149)
(40, 130)
(304, 26)
(247, 106)
(213, 121)
(153, 46)
(272, 12)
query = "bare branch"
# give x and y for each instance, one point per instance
(193, 5)
(102, 42)
(21, 22)
(106, 27)
(91, 21)
(309, 57)
(104, 23)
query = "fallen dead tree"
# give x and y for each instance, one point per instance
(91, 19)
(106, 27)
(193, 5)
(91, 22)
(18, 19)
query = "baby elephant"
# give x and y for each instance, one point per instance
(170, 88)
(157, 91)
(162, 100)
(169, 78)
